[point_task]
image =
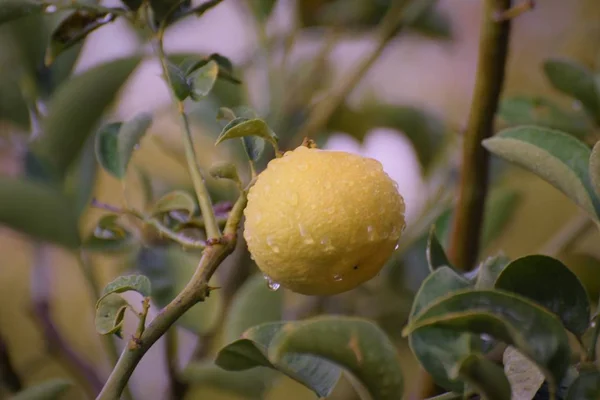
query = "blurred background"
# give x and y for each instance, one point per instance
(408, 111)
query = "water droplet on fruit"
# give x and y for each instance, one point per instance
(50, 8)
(327, 243)
(271, 284)
(337, 277)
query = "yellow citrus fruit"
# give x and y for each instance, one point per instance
(322, 222)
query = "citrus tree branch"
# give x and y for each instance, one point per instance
(493, 49)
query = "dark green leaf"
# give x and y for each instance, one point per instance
(499, 208)
(170, 8)
(110, 313)
(511, 318)
(586, 386)
(121, 284)
(133, 4)
(521, 110)
(436, 256)
(81, 179)
(15, 9)
(74, 29)
(252, 351)
(254, 146)
(175, 201)
(37, 169)
(241, 127)
(356, 344)
(253, 295)
(439, 283)
(203, 79)
(524, 376)
(52, 389)
(107, 142)
(551, 284)
(262, 9)
(488, 271)
(484, 375)
(575, 80)
(557, 157)
(180, 84)
(77, 107)
(130, 134)
(38, 210)
(595, 168)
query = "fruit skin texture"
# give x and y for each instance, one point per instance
(322, 222)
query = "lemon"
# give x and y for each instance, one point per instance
(322, 222)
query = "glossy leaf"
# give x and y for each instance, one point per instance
(508, 317)
(489, 269)
(484, 375)
(203, 79)
(180, 84)
(521, 110)
(251, 384)
(524, 376)
(355, 344)
(73, 30)
(253, 350)
(551, 284)
(110, 313)
(177, 200)
(254, 146)
(594, 167)
(586, 386)
(77, 107)
(39, 211)
(52, 389)
(439, 283)
(560, 159)
(436, 255)
(575, 80)
(241, 127)
(170, 269)
(224, 70)
(252, 296)
(11, 10)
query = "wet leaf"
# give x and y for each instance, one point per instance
(241, 127)
(488, 271)
(436, 255)
(524, 376)
(586, 386)
(254, 146)
(521, 110)
(484, 375)
(595, 168)
(508, 317)
(551, 284)
(121, 284)
(77, 107)
(203, 79)
(11, 10)
(252, 351)
(73, 30)
(177, 200)
(253, 295)
(575, 80)
(556, 157)
(52, 389)
(355, 344)
(110, 313)
(38, 210)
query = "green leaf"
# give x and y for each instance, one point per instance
(133, 5)
(535, 332)
(115, 143)
(224, 170)
(575, 80)
(433, 23)
(356, 344)
(439, 283)
(254, 146)
(252, 296)
(484, 375)
(203, 79)
(551, 284)
(522, 110)
(241, 127)
(436, 255)
(177, 200)
(109, 236)
(252, 384)
(262, 9)
(76, 108)
(73, 30)
(121, 284)
(52, 389)
(181, 85)
(499, 208)
(586, 386)
(81, 179)
(170, 269)
(489, 269)
(594, 167)
(555, 156)
(110, 313)
(11, 10)
(524, 376)
(39, 211)
(253, 350)
(225, 114)
(161, 8)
